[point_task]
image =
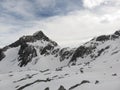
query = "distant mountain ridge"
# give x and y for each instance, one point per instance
(39, 52)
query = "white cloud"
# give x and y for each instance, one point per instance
(79, 26)
(72, 29)
(92, 3)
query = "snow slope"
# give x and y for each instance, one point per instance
(102, 74)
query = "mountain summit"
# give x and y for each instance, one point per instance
(40, 35)
(31, 38)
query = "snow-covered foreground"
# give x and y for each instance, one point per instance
(98, 75)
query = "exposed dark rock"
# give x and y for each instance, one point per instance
(115, 52)
(44, 71)
(10, 75)
(47, 49)
(84, 51)
(27, 77)
(103, 38)
(55, 51)
(114, 74)
(26, 53)
(29, 84)
(114, 37)
(81, 70)
(65, 53)
(83, 82)
(59, 69)
(96, 82)
(102, 50)
(2, 55)
(47, 88)
(22, 40)
(61, 88)
(81, 52)
(117, 33)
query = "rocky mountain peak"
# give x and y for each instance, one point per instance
(28, 45)
(40, 35)
(30, 38)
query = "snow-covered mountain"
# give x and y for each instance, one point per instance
(35, 62)
(34, 52)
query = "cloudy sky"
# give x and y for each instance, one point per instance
(69, 22)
